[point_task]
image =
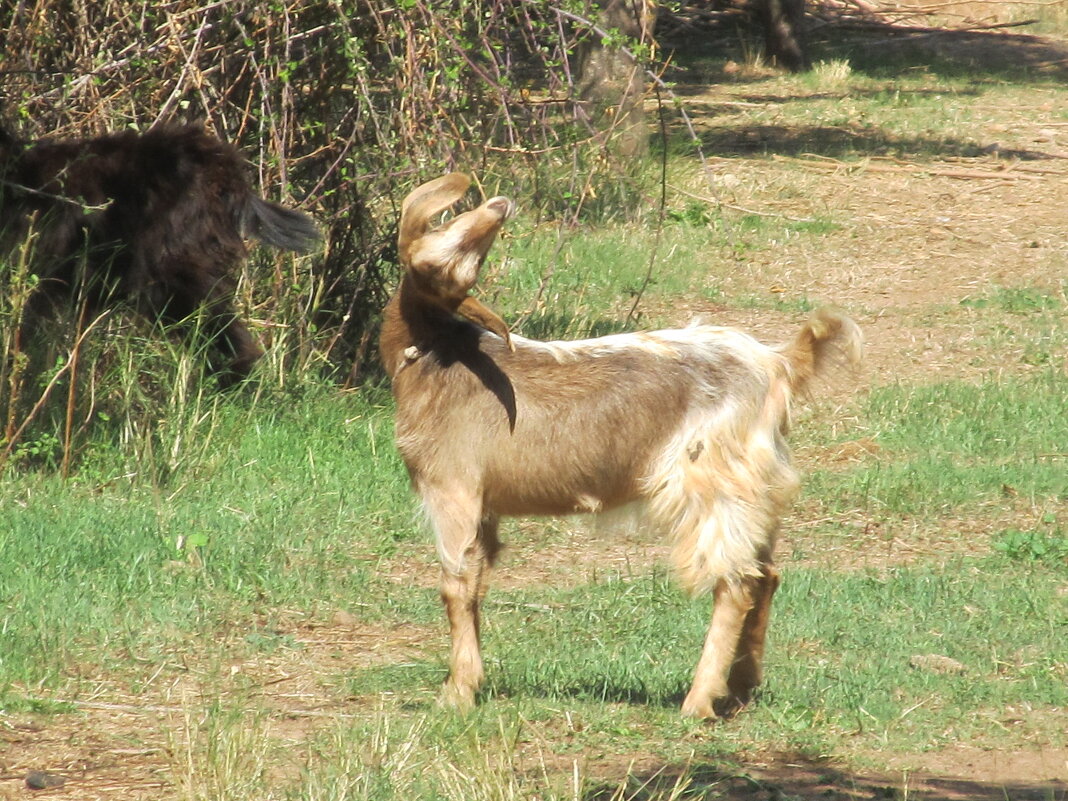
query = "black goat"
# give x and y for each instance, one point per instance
(156, 218)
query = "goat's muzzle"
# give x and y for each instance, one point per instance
(474, 310)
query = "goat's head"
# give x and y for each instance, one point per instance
(443, 262)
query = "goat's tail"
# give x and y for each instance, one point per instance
(277, 225)
(828, 340)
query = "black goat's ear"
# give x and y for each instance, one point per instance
(423, 203)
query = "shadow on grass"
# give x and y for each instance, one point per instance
(847, 140)
(850, 138)
(795, 776)
(884, 50)
(593, 691)
(880, 50)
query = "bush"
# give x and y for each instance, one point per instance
(341, 109)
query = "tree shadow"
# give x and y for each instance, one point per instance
(873, 46)
(800, 777)
(883, 50)
(852, 139)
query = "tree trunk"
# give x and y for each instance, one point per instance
(611, 81)
(783, 38)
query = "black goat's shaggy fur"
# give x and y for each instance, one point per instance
(157, 219)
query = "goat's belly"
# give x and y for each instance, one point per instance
(556, 494)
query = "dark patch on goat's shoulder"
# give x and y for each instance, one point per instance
(463, 343)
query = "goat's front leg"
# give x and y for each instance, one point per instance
(732, 605)
(467, 547)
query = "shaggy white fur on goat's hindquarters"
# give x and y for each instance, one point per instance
(721, 486)
(724, 479)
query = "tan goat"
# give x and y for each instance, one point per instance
(689, 422)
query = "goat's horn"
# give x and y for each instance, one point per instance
(424, 202)
(474, 311)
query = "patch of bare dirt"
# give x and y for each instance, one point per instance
(919, 243)
(1045, 767)
(129, 744)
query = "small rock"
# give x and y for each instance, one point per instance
(343, 618)
(728, 180)
(40, 780)
(936, 663)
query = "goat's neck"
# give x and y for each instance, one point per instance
(410, 320)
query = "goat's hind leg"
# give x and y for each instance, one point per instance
(467, 547)
(747, 671)
(710, 692)
(234, 348)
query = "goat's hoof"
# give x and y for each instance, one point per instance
(730, 706)
(461, 699)
(700, 710)
(719, 707)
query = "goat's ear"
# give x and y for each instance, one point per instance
(423, 203)
(474, 311)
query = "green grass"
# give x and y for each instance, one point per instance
(588, 279)
(1018, 300)
(832, 666)
(236, 510)
(580, 283)
(292, 508)
(956, 444)
(582, 673)
(304, 498)
(634, 641)
(291, 500)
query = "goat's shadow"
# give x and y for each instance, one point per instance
(591, 693)
(462, 344)
(632, 691)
